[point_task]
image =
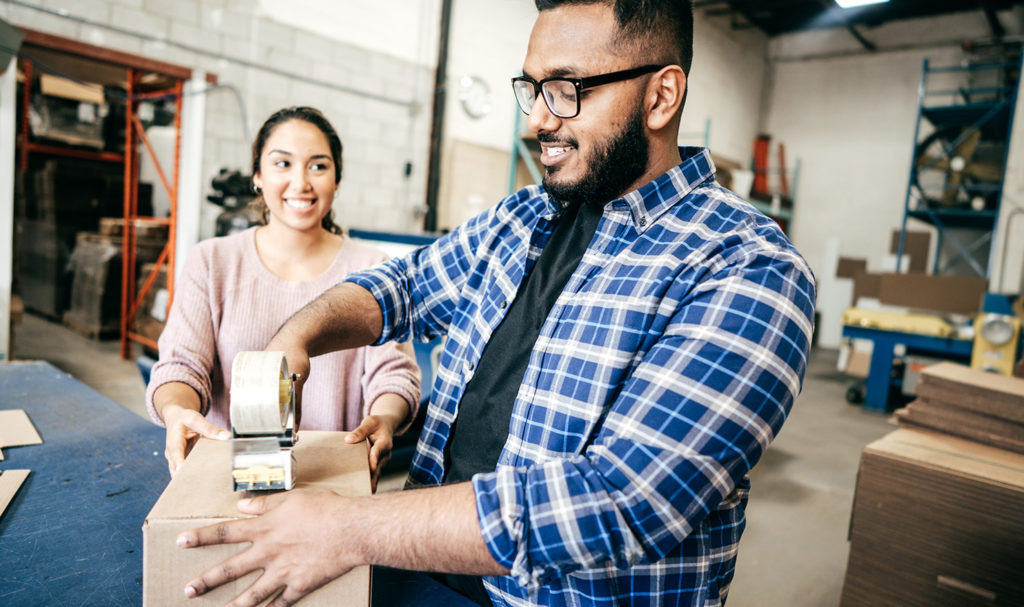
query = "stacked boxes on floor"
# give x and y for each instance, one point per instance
(937, 514)
(96, 290)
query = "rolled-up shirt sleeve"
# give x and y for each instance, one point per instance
(419, 292)
(695, 414)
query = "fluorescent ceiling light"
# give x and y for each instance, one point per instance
(853, 3)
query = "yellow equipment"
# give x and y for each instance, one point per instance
(995, 343)
(918, 324)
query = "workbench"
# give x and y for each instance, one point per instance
(879, 380)
(73, 533)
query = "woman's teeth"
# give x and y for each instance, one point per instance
(298, 204)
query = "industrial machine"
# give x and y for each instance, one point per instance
(262, 422)
(231, 191)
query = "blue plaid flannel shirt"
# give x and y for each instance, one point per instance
(659, 378)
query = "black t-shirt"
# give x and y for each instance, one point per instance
(481, 428)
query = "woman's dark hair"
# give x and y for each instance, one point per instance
(317, 119)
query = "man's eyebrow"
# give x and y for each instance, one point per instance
(556, 73)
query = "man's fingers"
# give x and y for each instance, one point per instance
(230, 570)
(257, 594)
(231, 532)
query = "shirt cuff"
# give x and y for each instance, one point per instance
(381, 285)
(501, 513)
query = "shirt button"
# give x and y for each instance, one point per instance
(643, 221)
(503, 304)
(469, 366)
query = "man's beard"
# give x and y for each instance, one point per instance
(617, 163)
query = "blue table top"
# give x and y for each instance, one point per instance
(72, 536)
(73, 533)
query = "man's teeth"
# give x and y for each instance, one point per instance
(298, 204)
(558, 151)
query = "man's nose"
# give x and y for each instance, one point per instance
(541, 119)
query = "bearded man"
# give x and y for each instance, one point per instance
(623, 343)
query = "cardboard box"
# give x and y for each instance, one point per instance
(939, 293)
(866, 284)
(916, 247)
(201, 494)
(848, 267)
(936, 521)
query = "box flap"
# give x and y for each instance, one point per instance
(203, 486)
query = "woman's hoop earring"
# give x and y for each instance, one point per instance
(257, 189)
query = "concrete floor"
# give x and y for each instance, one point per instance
(794, 550)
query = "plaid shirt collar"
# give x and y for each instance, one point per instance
(651, 200)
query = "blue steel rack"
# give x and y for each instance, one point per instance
(972, 116)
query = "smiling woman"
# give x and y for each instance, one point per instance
(237, 290)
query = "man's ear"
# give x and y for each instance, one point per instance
(664, 96)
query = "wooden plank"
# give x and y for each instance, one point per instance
(988, 393)
(964, 423)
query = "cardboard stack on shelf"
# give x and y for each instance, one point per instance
(95, 308)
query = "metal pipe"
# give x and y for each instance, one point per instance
(437, 120)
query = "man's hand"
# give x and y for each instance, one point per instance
(298, 365)
(298, 542)
(184, 427)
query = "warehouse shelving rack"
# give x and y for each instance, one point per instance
(142, 79)
(961, 144)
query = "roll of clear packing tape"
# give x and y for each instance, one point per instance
(260, 393)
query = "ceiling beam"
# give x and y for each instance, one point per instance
(867, 44)
(998, 31)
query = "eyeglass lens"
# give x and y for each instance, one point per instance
(560, 96)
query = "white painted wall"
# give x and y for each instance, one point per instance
(727, 83)
(403, 29)
(1008, 266)
(488, 40)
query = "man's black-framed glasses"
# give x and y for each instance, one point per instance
(562, 95)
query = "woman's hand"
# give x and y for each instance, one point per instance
(184, 427)
(386, 415)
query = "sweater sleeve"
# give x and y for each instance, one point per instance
(391, 369)
(187, 344)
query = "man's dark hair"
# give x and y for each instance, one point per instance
(659, 31)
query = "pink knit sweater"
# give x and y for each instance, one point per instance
(226, 301)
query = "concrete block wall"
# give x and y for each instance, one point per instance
(379, 104)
